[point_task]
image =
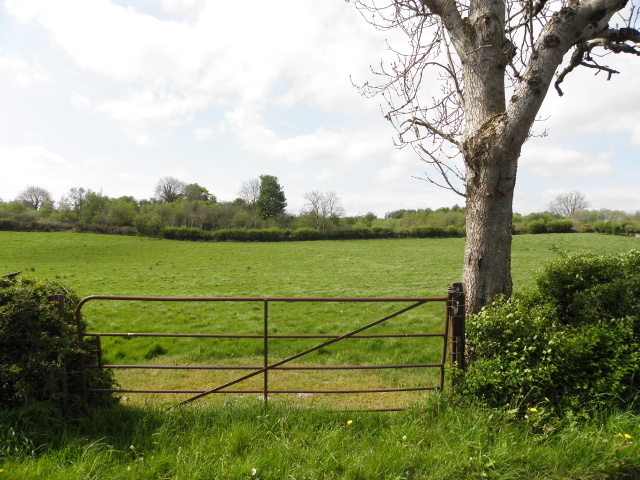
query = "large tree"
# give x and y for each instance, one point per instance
(34, 197)
(482, 52)
(271, 201)
(169, 189)
(323, 207)
(566, 204)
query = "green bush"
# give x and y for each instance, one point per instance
(537, 226)
(305, 233)
(560, 226)
(8, 224)
(428, 232)
(185, 233)
(572, 342)
(38, 345)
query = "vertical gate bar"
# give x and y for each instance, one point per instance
(445, 339)
(266, 351)
(99, 350)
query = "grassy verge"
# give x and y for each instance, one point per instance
(433, 440)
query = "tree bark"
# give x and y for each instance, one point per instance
(491, 164)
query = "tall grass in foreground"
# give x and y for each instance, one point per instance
(239, 440)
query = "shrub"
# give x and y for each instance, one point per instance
(8, 224)
(560, 226)
(37, 345)
(573, 340)
(305, 233)
(185, 233)
(537, 226)
(428, 232)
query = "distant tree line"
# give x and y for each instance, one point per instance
(183, 211)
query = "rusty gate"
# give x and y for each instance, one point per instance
(452, 342)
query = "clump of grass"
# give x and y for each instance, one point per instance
(154, 351)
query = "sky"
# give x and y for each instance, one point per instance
(112, 95)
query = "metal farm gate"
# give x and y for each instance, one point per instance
(452, 337)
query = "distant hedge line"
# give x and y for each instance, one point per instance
(299, 234)
(237, 234)
(304, 234)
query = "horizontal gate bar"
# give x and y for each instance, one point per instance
(263, 299)
(226, 335)
(378, 390)
(340, 367)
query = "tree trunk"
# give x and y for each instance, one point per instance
(487, 265)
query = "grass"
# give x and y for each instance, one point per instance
(295, 437)
(243, 439)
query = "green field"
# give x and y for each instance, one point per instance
(240, 438)
(113, 265)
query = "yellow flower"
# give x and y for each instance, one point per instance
(546, 399)
(627, 436)
(349, 422)
(534, 410)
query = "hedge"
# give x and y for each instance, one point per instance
(38, 345)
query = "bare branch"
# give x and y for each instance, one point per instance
(613, 40)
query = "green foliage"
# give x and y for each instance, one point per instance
(8, 224)
(537, 226)
(185, 233)
(38, 345)
(305, 233)
(14, 443)
(271, 200)
(575, 339)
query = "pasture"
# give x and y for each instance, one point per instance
(111, 265)
(240, 438)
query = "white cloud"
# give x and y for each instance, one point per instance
(32, 158)
(176, 68)
(545, 160)
(80, 101)
(20, 72)
(181, 6)
(322, 145)
(205, 133)
(593, 105)
(29, 165)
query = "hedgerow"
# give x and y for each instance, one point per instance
(38, 347)
(573, 341)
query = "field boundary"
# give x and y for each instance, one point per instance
(452, 343)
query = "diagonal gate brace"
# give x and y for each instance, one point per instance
(298, 355)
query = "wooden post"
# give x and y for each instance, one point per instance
(457, 329)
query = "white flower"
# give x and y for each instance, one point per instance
(253, 472)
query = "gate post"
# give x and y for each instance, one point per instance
(457, 329)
